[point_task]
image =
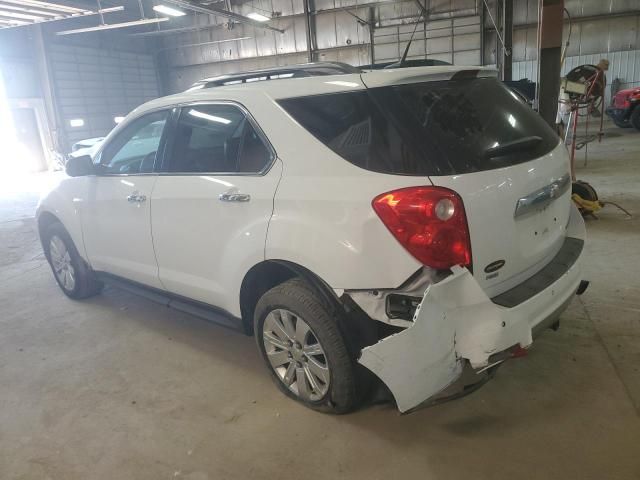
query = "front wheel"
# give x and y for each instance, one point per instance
(73, 275)
(299, 339)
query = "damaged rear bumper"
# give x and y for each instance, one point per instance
(457, 327)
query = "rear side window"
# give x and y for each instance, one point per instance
(354, 127)
(216, 138)
(430, 128)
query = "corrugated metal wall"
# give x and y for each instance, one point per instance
(624, 66)
(342, 35)
(454, 40)
(598, 26)
(97, 85)
(604, 28)
(600, 29)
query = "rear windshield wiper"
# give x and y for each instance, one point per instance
(522, 144)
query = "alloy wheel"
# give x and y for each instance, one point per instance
(61, 262)
(295, 354)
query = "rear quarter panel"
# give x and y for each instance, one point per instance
(322, 217)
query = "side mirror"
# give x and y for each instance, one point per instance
(80, 166)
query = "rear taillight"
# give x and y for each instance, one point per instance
(429, 222)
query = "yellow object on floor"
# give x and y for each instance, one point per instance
(586, 206)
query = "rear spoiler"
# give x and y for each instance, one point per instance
(381, 78)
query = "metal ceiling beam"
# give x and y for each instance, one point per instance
(33, 11)
(215, 42)
(13, 23)
(88, 13)
(15, 20)
(46, 5)
(172, 31)
(21, 15)
(209, 10)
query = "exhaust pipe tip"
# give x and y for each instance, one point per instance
(584, 284)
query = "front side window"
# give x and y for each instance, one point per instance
(216, 139)
(134, 150)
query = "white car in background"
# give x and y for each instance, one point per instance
(81, 152)
(416, 224)
(83, 145)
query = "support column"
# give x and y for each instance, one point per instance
(507, 35)
(372, 37)
(483, 33)
(310, 30)
(497, 23)
(549, 55)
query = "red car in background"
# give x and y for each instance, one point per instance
(624, 111)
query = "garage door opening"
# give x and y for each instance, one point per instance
(21, 136)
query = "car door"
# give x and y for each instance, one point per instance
(212, 203)
(116, 218)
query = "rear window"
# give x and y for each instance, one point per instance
(430, 128)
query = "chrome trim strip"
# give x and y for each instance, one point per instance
(542, 197)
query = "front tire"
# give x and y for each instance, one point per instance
(74, 276)
(301, 344)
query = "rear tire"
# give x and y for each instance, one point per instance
(304, 350)
(634, 119)
(74, 276)
(622, 123)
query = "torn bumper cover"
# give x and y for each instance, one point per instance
(457, 324)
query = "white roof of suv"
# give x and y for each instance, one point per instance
(315, 85)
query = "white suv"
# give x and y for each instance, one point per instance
(416, 222)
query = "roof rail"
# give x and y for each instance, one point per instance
(276, 73)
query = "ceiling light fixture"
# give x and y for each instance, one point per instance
(173, 12)
(258, 17)
(110, 26)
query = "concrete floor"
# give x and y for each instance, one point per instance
(120, 388)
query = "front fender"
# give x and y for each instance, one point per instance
(65, 202)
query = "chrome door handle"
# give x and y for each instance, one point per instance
(135, 197)
(234, 197)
